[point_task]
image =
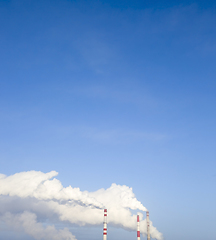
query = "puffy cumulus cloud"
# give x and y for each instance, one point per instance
(28, 196)
(28, 222)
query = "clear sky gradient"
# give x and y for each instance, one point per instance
(115, 92)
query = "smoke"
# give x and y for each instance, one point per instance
(38, 185)
(30, 199)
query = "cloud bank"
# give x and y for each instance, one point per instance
(34, 201)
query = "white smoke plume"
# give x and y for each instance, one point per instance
(28, 199)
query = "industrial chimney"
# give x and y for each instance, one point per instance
(138, 228)
(105, 225)
(147, 222)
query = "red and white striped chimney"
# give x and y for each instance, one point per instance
(147, 222)
(105, 225)
(138, 228)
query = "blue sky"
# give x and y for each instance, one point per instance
(115, 92)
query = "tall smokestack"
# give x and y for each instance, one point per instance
(147, 222)
(138, 228)
(105, 225)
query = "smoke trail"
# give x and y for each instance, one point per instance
(26, 195)
(38, 185)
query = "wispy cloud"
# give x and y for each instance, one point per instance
(111, 136)
(119, 94)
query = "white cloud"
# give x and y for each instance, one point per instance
(28, 196)
(28, 222)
